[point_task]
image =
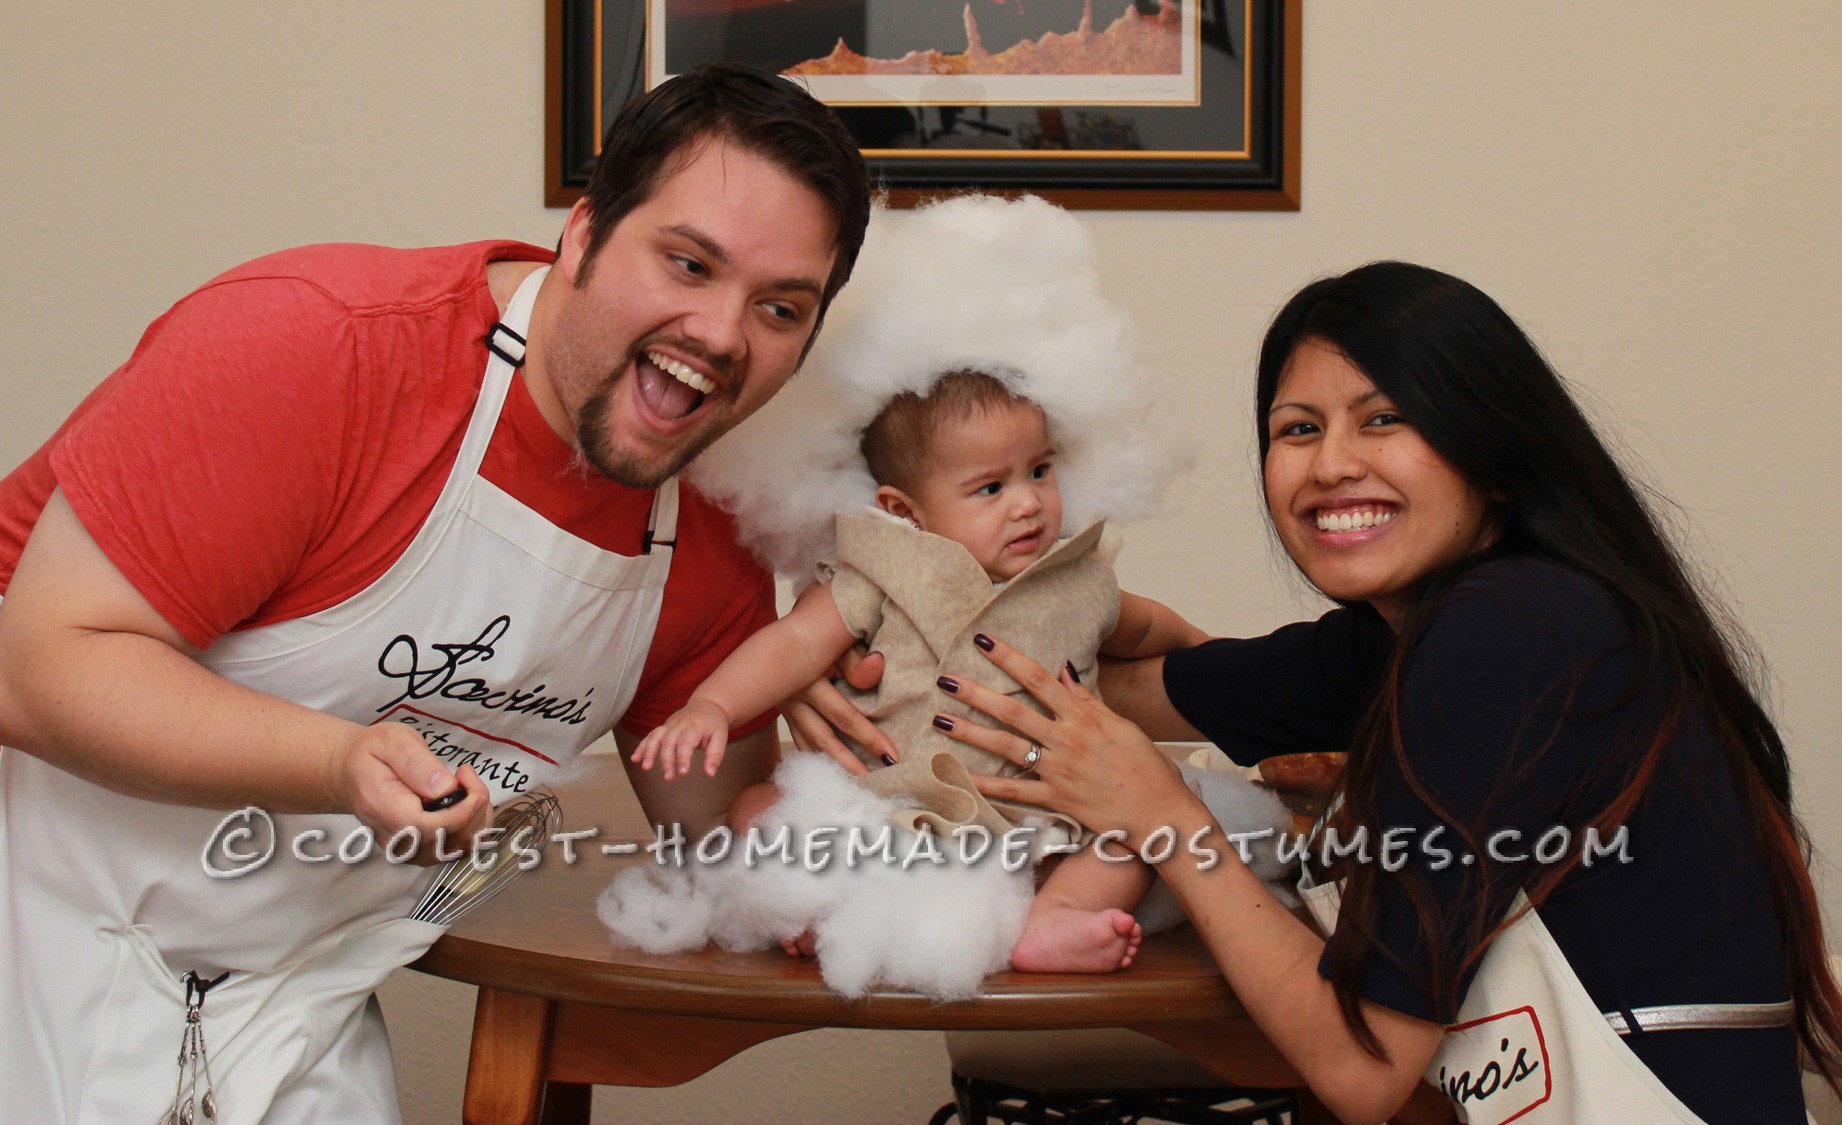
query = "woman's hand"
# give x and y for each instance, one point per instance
(1092, 764)
(817, 714)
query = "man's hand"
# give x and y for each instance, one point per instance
(385, 772)
(698, 723)
(818, 713)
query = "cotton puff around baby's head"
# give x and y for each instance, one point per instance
(973, 283)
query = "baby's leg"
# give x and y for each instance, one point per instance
(749, 804)
(744, 814)
(1078, 921)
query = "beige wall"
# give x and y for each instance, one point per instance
(1643, 184)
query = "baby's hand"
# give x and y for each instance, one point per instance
(700, 723)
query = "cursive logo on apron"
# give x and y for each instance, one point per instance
(1504, 1061)
(434, 676)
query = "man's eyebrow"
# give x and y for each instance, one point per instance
(798, 285)
(704, 242)
(720, 256)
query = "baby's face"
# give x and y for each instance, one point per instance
(991, 488)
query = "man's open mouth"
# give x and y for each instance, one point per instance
(671, 389)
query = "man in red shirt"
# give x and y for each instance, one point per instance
(356, 528)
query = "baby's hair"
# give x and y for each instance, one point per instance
(899, 441)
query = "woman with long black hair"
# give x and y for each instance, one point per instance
(1572, 886)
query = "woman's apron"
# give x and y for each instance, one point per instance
(507, 643)
(1530, 1045)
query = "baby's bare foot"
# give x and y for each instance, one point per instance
(802, 946)
(1068, 940)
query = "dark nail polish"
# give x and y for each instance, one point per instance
(887, 760)
(985, 643)
(943, 722)
(947, 683)
(1072, 674)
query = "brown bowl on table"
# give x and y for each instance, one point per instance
(1303, 782)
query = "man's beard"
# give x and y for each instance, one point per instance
(631, 472)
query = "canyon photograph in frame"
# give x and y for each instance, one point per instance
(1166, 104)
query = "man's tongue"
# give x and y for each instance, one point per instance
(664, 395)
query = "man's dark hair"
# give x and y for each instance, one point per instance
(762, 113)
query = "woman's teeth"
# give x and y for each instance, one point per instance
(1352, 520)
(681, 373)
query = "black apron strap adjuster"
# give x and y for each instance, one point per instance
(512, 350)
(1633, 1027)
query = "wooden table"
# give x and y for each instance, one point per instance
(561, 1009)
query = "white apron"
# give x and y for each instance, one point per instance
(506, 642)
(1530, 1045)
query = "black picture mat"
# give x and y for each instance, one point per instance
(1206, 172)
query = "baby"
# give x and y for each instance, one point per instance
(967, 539)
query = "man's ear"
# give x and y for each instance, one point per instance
(897, 503)
(572, 250)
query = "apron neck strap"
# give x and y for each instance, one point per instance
(506, 338)
(662, 524)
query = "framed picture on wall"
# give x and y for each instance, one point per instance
(1154, 104)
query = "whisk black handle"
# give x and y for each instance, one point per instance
(446, 800)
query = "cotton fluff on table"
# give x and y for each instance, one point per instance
(933, 927)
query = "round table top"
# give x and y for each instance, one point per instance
(540, 936)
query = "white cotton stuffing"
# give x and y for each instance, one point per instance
(1009, 287)
(659, 912)
(936, 929)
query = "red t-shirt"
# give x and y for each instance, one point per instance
(280, 435)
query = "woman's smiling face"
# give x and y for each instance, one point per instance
(1363, 504)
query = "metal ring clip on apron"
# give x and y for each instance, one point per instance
(1530, 1045)
(506, 642)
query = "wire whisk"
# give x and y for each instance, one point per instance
(525, 825)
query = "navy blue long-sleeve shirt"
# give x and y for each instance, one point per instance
(1520, 691)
